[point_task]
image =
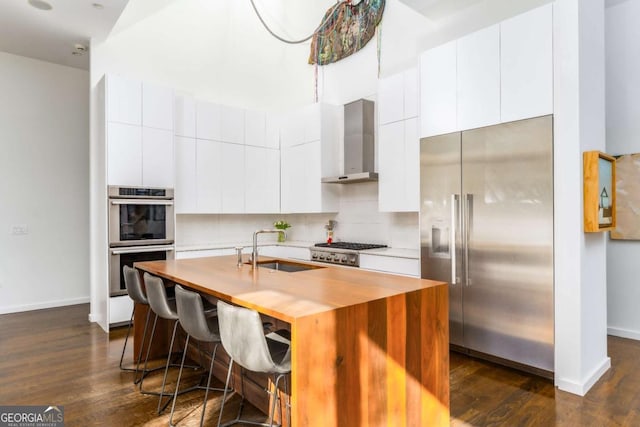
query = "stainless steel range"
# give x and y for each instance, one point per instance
(344, 253)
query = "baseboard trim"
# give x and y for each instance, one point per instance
(42, 305)
(582, 388)
(623, 333)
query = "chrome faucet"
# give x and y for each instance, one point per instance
(254, 252)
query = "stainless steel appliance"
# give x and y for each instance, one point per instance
(344, 253)
(121, 256)
(359, 145)
(140, 216)
(141, 228)
(486, 227)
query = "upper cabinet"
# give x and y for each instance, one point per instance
(157, 107)
(526, 65)
(138, 133)
(185, 116)
(398, 142)
(123, 100)
(498, 74)
(227, 159)
(478, 59)
(398, 96)
(310, 142)
(438, 90)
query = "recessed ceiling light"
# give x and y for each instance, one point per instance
(40, 4)
(99, 6)
(79, 49)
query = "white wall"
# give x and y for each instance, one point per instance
(623, 128)
(580, 259)
(44, 170)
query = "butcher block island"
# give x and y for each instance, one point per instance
(368, 349)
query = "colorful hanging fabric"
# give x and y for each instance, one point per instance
(346, 29)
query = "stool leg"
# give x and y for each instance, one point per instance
(144, 335)
(272, 413)
(166, 369)
(226, 389)
(175, 394)
(146, 359)
(206, 393)
(133, 312)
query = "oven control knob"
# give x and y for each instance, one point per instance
(321, 257)
(344, 258)
(314, 256)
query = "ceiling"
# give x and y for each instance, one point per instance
(50, 35)
(438, 9)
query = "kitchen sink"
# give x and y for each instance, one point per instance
(288, 266)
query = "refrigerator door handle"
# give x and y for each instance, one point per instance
(468, 215)
(455, 212)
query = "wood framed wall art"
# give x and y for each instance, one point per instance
(599, 171)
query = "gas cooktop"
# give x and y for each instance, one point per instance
(345, 253)
(350, 245)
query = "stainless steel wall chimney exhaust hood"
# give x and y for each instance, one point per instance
(359, 146)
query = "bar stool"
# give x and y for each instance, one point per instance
(164, 308)
(136, 293)
(243, 338)
(196, 324)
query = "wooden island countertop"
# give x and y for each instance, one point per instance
(368, 348)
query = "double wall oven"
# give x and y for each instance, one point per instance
(141, 228)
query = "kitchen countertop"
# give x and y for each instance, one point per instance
(280, 294)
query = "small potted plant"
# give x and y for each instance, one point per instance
(281, 225)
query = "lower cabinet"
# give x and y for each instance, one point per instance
(120, 310)
(388, 264)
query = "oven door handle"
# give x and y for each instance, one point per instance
(142, 202)
(140, 249)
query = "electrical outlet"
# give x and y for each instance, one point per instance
(19, 230)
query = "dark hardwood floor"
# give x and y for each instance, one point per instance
(56, 357)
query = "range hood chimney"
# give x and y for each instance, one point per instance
(359, 146)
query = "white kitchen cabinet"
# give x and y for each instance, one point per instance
(232, 169)
(398, 96)
(255, 128)
(208, 176)
(526, 64)
(304, 162)
(398, 166)
(390, 166)
(185, 116)
(438, 90)
(388, 264)
(232, 124)
(283, 251)
(478, 58)
(273, 122)
(411, 91)
(124, 154)
(262, 180)
(391, 99)
(157, 158)
(120, 309)
(123, 100)
(186, 196)
(292, 129)
(208, 121)
(157, 107)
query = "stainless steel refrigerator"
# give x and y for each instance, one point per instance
(486, 227)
